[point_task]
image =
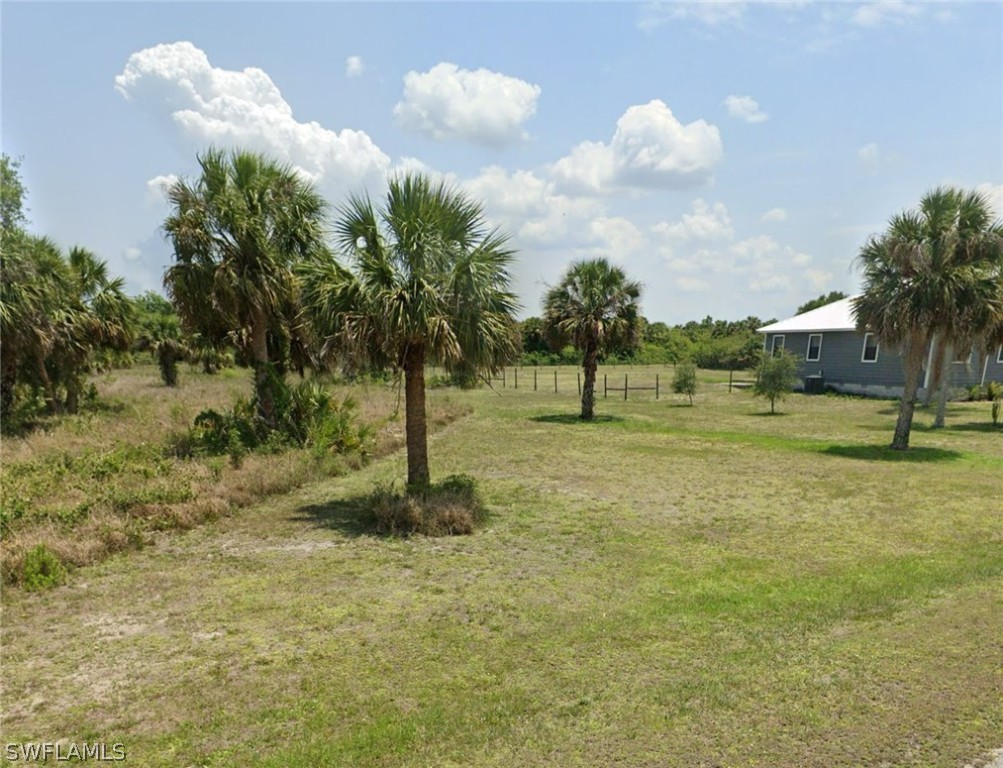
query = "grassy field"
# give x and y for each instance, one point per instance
(668, 586)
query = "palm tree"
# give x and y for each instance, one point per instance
(428, 283)
(935, 271)
(595, 307)
(238, 232)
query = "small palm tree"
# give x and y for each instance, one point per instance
(595, 307)
(935, 271)
(428, 283)
(238, 232)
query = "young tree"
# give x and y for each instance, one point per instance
(238, 232)
(428, 281)
(776, 377)
(685, 380)
(934, 271)
(595, 307)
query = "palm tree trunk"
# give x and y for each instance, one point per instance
(913, 370)
(415, 425)
(52, 403)
(262, 375)
(590, 364)
(945, 385)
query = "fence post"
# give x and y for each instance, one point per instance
(656, 386)
(579, 383)
(605, 390)
(503, 377)
(534, 379)
(555, 382)
(516, 378)
(731, 373)
(625, 390)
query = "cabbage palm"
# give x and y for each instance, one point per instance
(595, 307)
(238, 232)
(935, 271)
(427, 281)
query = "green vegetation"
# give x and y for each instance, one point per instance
(662, 586)
(936, 273)
(821, 301)
(239, 231)
(684, 381)
(776, 377)
(430, 284)
(594, 307)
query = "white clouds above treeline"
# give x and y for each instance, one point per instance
(479, 106)
(213, 106)
(555, 212)
(745, 108)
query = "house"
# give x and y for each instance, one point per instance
(830, 347)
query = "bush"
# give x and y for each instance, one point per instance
(685, 380)
(42, 569)
(776, 377)
(449, 508)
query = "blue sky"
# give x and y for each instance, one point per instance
(731, 156)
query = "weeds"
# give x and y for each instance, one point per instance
(449, 508)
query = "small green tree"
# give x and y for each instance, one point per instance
(685, 380)
(776, 377)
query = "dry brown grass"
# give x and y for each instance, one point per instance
(98, 483)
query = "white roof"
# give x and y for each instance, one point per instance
(837, 316)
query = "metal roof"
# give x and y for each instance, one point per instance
(837, 316)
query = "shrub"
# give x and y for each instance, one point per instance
(42, 569)
(685, 380)
(997, 412)
(994, 390)
(975, 393)
(776, 377)
(449, 508)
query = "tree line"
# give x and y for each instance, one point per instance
(265, 272)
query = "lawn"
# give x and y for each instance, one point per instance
(668, 586)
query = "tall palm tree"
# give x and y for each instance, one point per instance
(935, 271)
(595, 307)
(238, 232)
(427, 281)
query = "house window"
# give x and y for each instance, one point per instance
(999, 355)
(870, 354)
(778, 345)
(814, 348)
(964, 359)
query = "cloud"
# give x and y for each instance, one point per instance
(869, 157)
(706, 223)
(774, 214)
(709, 12)
(995, 194)
(883, 12)
(479, 106)
(650, 149)
(207, 105)
(745, 108)
(353, 66)
(157, 187)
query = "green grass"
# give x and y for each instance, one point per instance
(668, 586)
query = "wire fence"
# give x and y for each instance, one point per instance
(620, 382)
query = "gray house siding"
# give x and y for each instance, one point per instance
(841, 366)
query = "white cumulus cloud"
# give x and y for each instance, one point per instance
(710, 12)
(745, 108)
(480, 106)
(649, 149)
(227, 108)
(995, 194)
(705, 223)
(353, 66)
(882, 12)
(774, 214)
(869, 157)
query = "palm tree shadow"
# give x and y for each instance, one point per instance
(352, 516)
(916, 455)
(975, 426)
(574, 418)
